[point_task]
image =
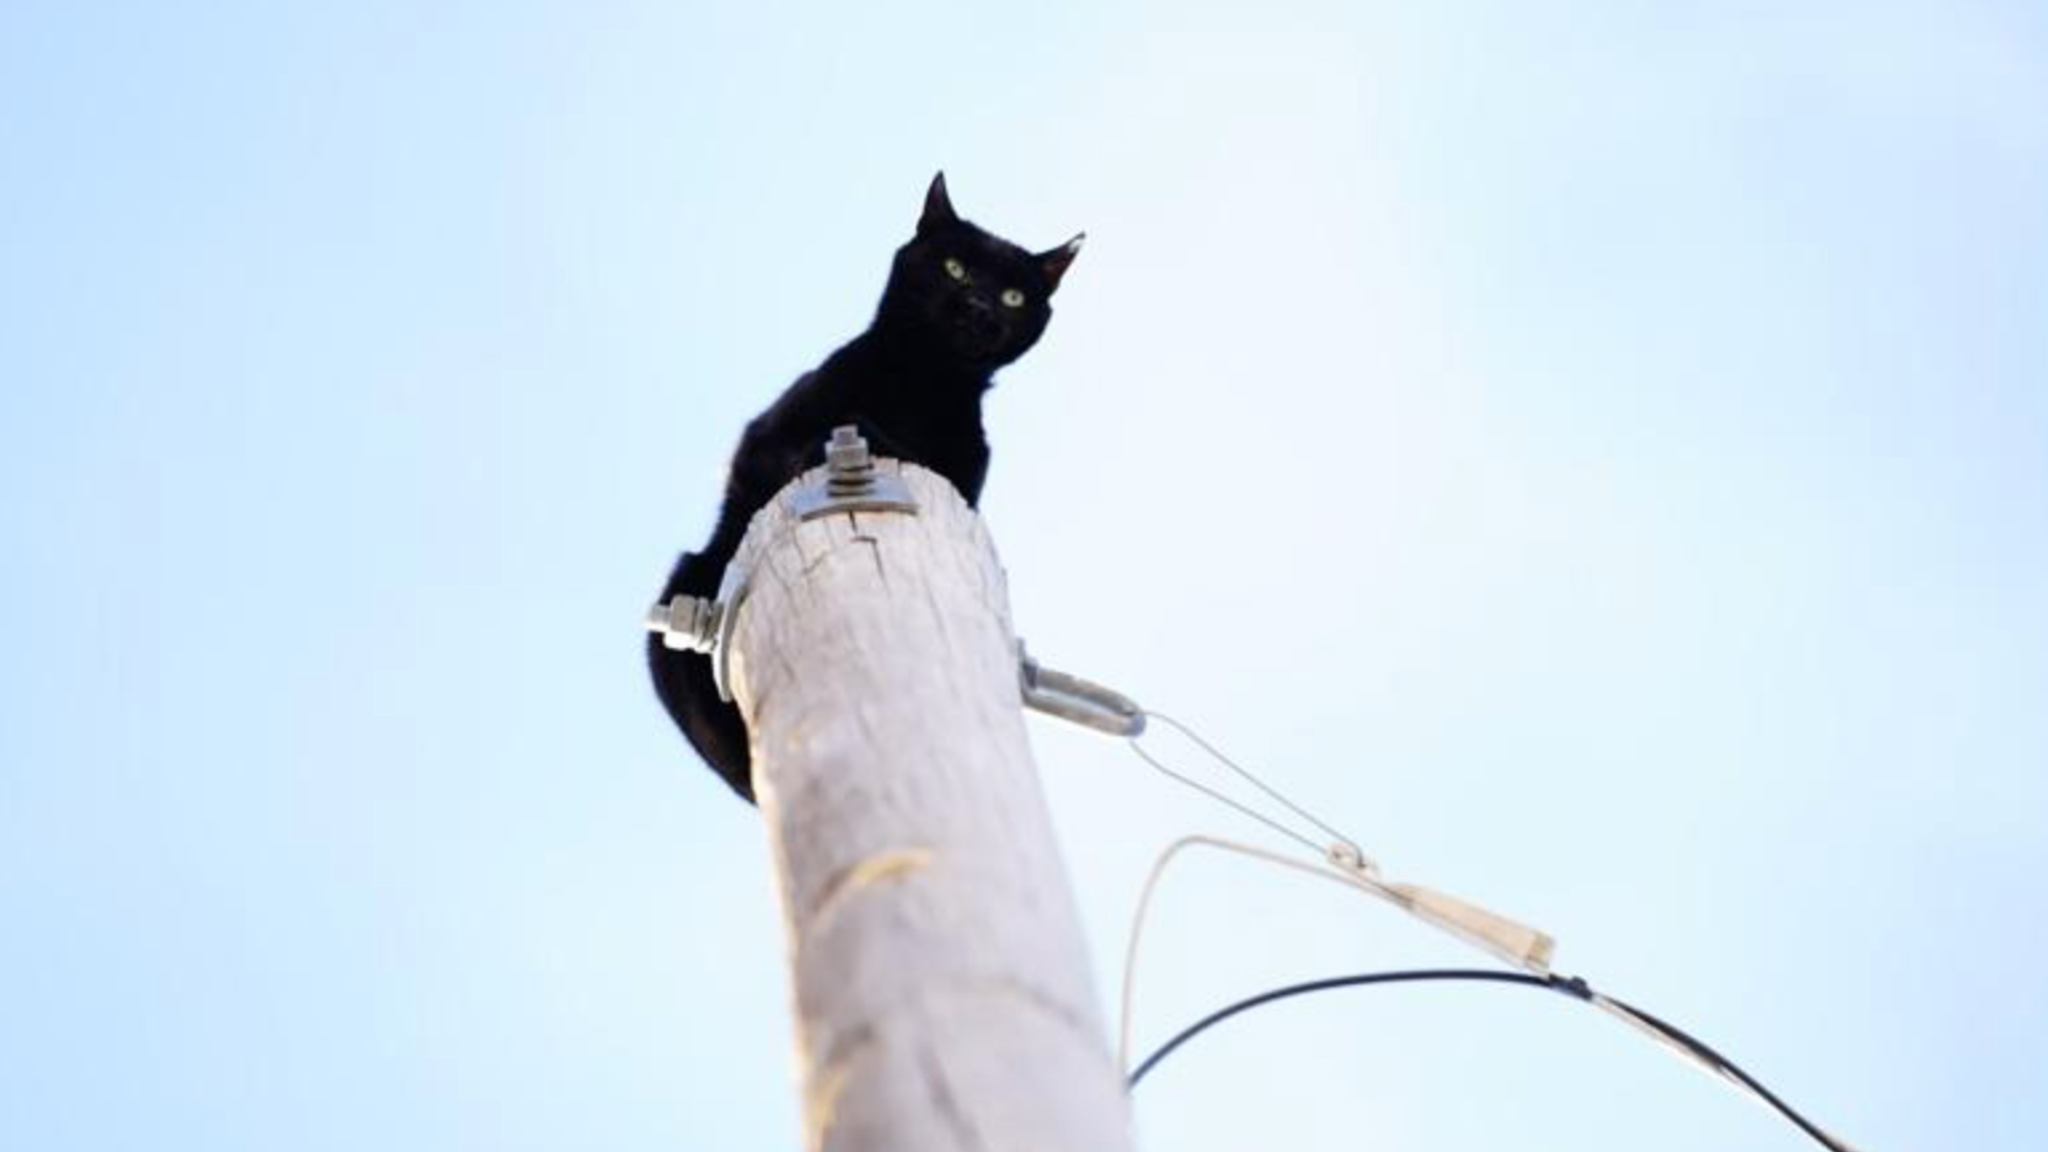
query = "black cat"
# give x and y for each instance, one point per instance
(959, 304)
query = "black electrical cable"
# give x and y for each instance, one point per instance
(1571, 986)
(1487, 975)
(1728, 1067)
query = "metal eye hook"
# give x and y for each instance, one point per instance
(1083, 702)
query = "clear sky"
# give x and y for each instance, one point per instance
(1592, 451)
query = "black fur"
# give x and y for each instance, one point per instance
(912, 383)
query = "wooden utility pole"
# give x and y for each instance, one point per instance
(943, 994)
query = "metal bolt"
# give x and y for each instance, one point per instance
(852, 483)
(686, 623)
(849, 470)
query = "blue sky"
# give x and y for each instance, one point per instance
(1593, 452)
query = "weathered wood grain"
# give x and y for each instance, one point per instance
(943, 997)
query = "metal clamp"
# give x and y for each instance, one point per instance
(851, 482)
(697, 624)
(1083, 702)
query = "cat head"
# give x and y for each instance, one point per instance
(966, 295)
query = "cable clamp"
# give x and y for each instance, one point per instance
(1345, 856)
(1517, 943)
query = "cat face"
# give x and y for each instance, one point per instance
(966, 295)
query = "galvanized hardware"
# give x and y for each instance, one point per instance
(687, 623)
(695, 624)
(1345, 856)
(732, 595)
(1084, 702)
(852, 483)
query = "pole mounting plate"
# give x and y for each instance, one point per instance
(881, 493)
(851, 482)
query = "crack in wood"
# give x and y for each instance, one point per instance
(1074, 1019)
(937, 1010)
(939, 1090)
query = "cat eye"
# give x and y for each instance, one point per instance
(1012, 298)
(956, 269)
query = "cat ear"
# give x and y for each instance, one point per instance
(1056, 261)
(938, 207)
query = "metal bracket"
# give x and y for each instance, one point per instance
(851, 483)
(697, 624)
(1071, 698)
(732, 595)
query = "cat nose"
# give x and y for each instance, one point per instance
(980, 318)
